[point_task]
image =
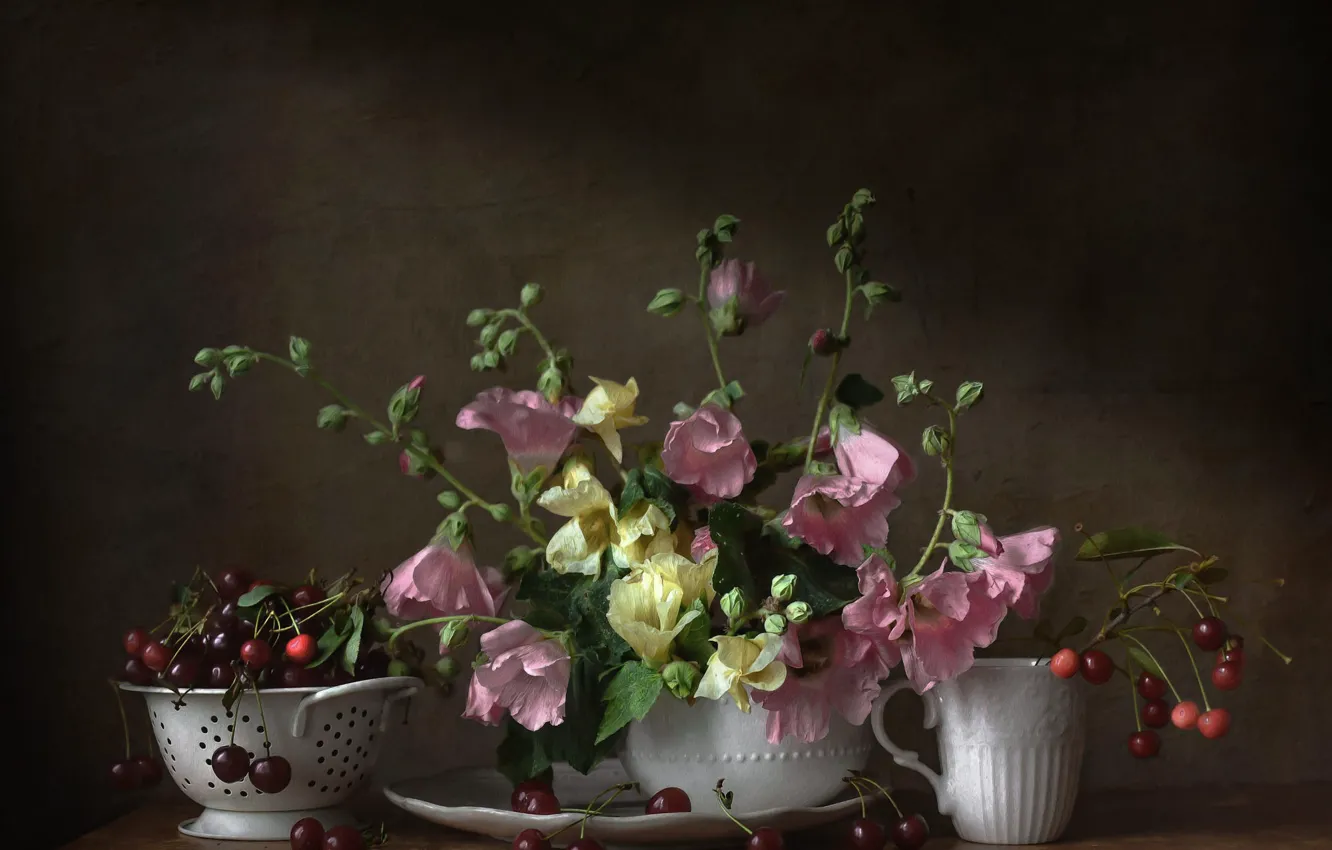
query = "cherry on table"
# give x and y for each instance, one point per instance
(1155, 713)
(1214, 723)
(271, 774)
(1227, 676)
(184, 671)
(135, 641)
(531, 839)
(541, 803)
(125, 775)
(307, 834)
(1209, 633)
(1150, 687)
(866, 834)
(231, 763)
(305, 595)
(525, 789)
(232, 583)
(1065, 664)
(150, 771)
(256, 654)
(911, 832)
(1097, 667)
(1185, 715)
(156, 656)
(137, 673)
(669, 801)
(344, 838)
(766, 838)
(1144, 744)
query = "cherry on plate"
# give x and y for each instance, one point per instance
(866, 834)
(531, 839)
(525, 789)
(541, 803)
(125, 775)
(766, 838)
(669, 801)
(150, 771)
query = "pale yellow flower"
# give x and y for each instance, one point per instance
(694, 580)
(578, 546)
(641, 533)
(608, 408)
(644, 609)
(739, 662)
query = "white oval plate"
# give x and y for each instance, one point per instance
(477, 800)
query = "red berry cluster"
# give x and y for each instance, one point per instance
(309, 834)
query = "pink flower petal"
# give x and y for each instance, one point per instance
(535, 433)
(870, 456)
(708, 453)
(702, 544)
(1022, 571)
(437, 582)
(839, 516)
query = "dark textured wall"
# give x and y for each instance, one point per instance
(1111, 214)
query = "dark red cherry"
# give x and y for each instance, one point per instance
(256, 654)
(232, 583)
(136, 672)
(541, 803)
(1155, 713)
(270, 774)
(531, 839)
(156, 656)
(231, 763)
(344, 838)
(1144, 744)
(307, 834)
(866, 835)
(150, 771)
(221, 675)
(306, 594)
(184, 672)
(669, 801)
(1209, 633)
(135, 641)
(1097, 667)
(586, 844)
(1227, 675)
(911, 831)
(1151, 687)
(223, 645)
(372, 665)
(125, 775)
(766, 838)
(525, 789)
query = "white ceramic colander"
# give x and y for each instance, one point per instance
(331, 736)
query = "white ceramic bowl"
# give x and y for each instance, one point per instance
(691, 747)
(331, 736)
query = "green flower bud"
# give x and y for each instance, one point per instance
(200, 381)
(667, 302)
(551, 384)
(453, 635)
(726, 319)
(799, 612)
(531, 295)
(455, 529)
(208, 357)
(332, 417)
(381, 628)
(489, 334)
(398, 667)
(733, 603)
(500, 513)
(681, 678)
(934, 441)
(774, 624)
(968, 393)
(783, 587)
(478, 363)
(447, 668)
(449, 499)
(479, 317)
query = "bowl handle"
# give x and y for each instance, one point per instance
(402, 687)
(907, 758)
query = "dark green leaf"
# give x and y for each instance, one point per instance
(329, 642)
(821, 582)
(1128, 543)
(546, 618)
(1145, 661)
(856, 392)
(352, 648)
(629, 697)
(377, 438)
(836, 231)
(844, 258)
(251, 598)
(732, 527)
(522, 754)
(1073, 628)
(633, 491)
(694, 641)
(1182, 580)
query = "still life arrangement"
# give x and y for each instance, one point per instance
(697, 578)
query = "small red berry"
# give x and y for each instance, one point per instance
(302, 649)
(531, 839)
(1214, 723)
(136, 672)
(1144, 744)
(1209, 633)
(1150, 687)
(669, 801)
(125, 775)
(866, 834)
(541, 803)
(184, 672)
(910, 832)
(823, 343)
(1185, 715)
(307, 594)
(344, 838)
(1065, 664)
(766, 838)
(231, 763)
(1226, 676)
(257, 583)
(271, 774)
(307, 834)
(150, 771)
(1097, 667)
(135, 641)
(156, 656)
(1155, 713)
(256, 654)
(232, 583)
(1230, 655)
(525, 789)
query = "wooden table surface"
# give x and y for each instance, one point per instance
(1240, 818)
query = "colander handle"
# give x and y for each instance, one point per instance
(402, 687)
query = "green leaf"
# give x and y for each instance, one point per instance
(251, 598)
(844, 258)
(1212, 575)
(724, 227)
(629, 697)
(862, 199)
(731, 527)
(1073, 628)
(856, 392)
(658, 486)
(352, 648)
(836, 231)
(329, 642)
(1145, 661)
(824, 584)
(968, 393)
(633, 491)
(694, 641)
(522, 754)
(1121, 543)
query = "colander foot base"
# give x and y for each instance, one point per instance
(258, 826)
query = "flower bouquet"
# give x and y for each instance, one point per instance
(674, 571)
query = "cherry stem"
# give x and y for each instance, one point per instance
(259, 701)
(589, 811)
(882, 790)
(1189, 652)
(124, 721)
(726, 810)
(1133, 693)
(1279, 653)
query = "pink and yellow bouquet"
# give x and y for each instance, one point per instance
(670, 573)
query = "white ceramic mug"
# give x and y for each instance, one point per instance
(1011, 739)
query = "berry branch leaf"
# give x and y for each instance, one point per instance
(1144, 660)
(629, 697)
(252, 598)
(329, 642)
(1120, 543)
(352, 649)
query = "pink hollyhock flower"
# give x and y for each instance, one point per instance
(535, 432)
(1019, 568)
(830, 670)
(527, 677)
(702, 544)
(709, 454)
(740, 297)
(839, 516)
(440, 581)
(870, 456)
(876, 615)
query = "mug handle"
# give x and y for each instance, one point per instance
(907, 758)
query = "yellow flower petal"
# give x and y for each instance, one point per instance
(643, 532)
(578, 545)
(645, 611)
(739, 662)
(607, 408)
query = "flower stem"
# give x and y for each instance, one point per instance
(435, 621)
(531, 328)
(948, 491)
(705, 271)
(830, 383)
(1189, 652)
